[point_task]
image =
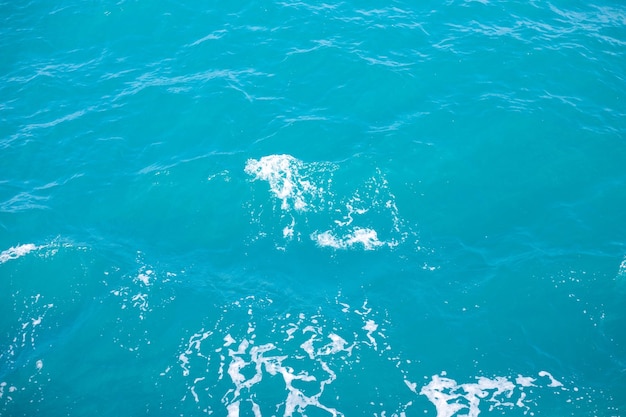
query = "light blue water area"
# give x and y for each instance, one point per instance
(292, 208)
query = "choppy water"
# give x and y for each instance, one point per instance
(290, 208)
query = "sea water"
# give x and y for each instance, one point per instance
(277, 208)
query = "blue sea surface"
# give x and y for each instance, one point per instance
(282, 208)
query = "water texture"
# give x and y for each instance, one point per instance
(311, 209)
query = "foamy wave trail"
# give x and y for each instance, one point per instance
(15, 252)
(311, 204)
(258, 359)
(43, 250)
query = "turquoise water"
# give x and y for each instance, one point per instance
(291, 208)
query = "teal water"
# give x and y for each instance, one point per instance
(291, 208)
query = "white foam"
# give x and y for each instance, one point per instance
(300, 355)
(520, 401)
(17, 252)
(525, 381)
(144, 278)
(448, 396)
(184, 362)
(371, 327)
(296, 400)
(256, 410)
(326, 239)
(553, 381)
(233, 409)
(290, 331)
(23, 340)
(288, 232)
(286, 181)
(451, 398)
(9, 388)
(228, 340)
(621, 272)
(337, 344)
(305, 354)
(349, 217)
(368, 238)
(140, 301)
(411, 385)
(435, 391)
(194, 344)
(368, 218)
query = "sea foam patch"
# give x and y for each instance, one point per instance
(285, 364)
(17, 252)
(292, 181)
(43, 251)
(497, 393)
(367, 238)
(310, 202)
(258, 359)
